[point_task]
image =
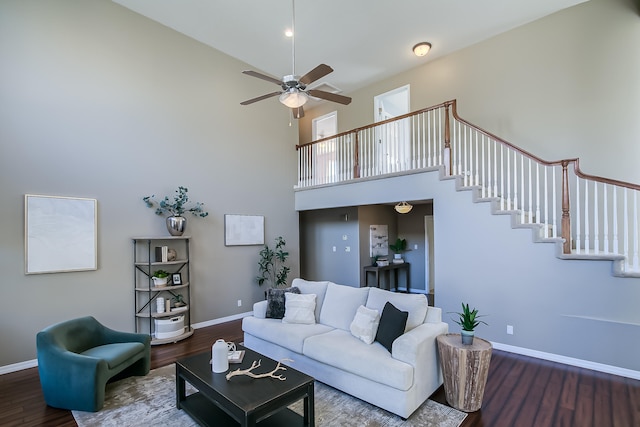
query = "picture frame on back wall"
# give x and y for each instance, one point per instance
(176, 278)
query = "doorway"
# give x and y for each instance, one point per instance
(392, 139)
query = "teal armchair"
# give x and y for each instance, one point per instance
(77, 358)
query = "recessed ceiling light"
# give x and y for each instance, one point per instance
(288, 32)
(421, 49)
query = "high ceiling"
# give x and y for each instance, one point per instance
(362, 40)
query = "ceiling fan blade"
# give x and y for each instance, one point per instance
(315, 74)
(262, 76)
(260, 98)
(334, 97)
(298, 113)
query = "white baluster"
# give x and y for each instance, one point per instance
(522, 194)
(554, 203)
(537, 183)
(501, 177)
(625, 224)
(587, 235)
(578, 230)
(596, 219)
(616, 243)
(495, 169)
(605, 219)
(530, 191)
(636, 262)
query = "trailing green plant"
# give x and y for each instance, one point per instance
(400, 246)
(160, 274)
(178, 206)
(468, 319)
(271, 268)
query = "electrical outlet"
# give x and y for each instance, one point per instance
(344, 237)
(239, 303)
(509, 329)
(415, 247)
(334, 249)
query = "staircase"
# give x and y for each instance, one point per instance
(587, 217)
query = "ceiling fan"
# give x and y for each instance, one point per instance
(294, 93)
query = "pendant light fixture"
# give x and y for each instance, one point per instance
(403, 207)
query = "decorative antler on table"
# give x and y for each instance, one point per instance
(255, 365)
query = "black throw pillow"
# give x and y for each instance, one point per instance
(392, 324)
(275, 302)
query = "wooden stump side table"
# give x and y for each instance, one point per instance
(465, 369)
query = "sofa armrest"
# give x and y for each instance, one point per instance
(434, 315)
(419, 344)
(260, 309)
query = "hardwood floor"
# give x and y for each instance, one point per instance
(520, 391)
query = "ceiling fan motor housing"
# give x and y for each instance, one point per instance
(291, 81)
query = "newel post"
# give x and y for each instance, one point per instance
(447, 142)
(566, 218)
(356, 156)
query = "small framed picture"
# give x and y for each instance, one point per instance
(176, 278)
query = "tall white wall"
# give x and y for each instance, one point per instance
(99, 102)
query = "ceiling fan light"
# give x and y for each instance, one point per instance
(403, 207)
(293, 98)
(421, 49)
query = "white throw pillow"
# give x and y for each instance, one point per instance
(299, 308)
(365, 324)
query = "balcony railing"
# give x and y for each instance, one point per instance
(596, 217)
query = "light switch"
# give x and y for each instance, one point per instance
(334, 249)
(347, 249)
(344, 237)
(415, 247)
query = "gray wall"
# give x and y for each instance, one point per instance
(574, 309)
(99, 102)
(563, 86)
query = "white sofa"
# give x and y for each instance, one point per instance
(398, 382)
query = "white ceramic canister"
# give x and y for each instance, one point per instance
(160, 305)
(219, 356)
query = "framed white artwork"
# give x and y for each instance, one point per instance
(242, 230)
(60, 234)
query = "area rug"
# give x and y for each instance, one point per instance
(151, 400)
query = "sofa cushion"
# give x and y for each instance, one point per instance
(299, 308)
(115, 354)
(275, 302)
(340, 305)
(288, 335)
(415, 304)
(309, 287)
(365, 324)
(342, 350)
(392, 324)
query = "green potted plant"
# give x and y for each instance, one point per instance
(160, 278)
(178, 301)
(176, 222)
(398, 247)
(468, 320)
(271, 268)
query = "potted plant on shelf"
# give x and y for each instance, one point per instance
(179, 301)
(160, 278)
(398, 247)
(468, 320)
(271, 268)
(176, 222)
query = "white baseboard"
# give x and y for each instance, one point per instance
(18, 366)
(600, 367)
(221, 320)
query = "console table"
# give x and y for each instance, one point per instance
(387, 270)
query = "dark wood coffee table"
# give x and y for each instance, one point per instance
(243, 400)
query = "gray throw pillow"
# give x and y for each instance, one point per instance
(275, 302)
